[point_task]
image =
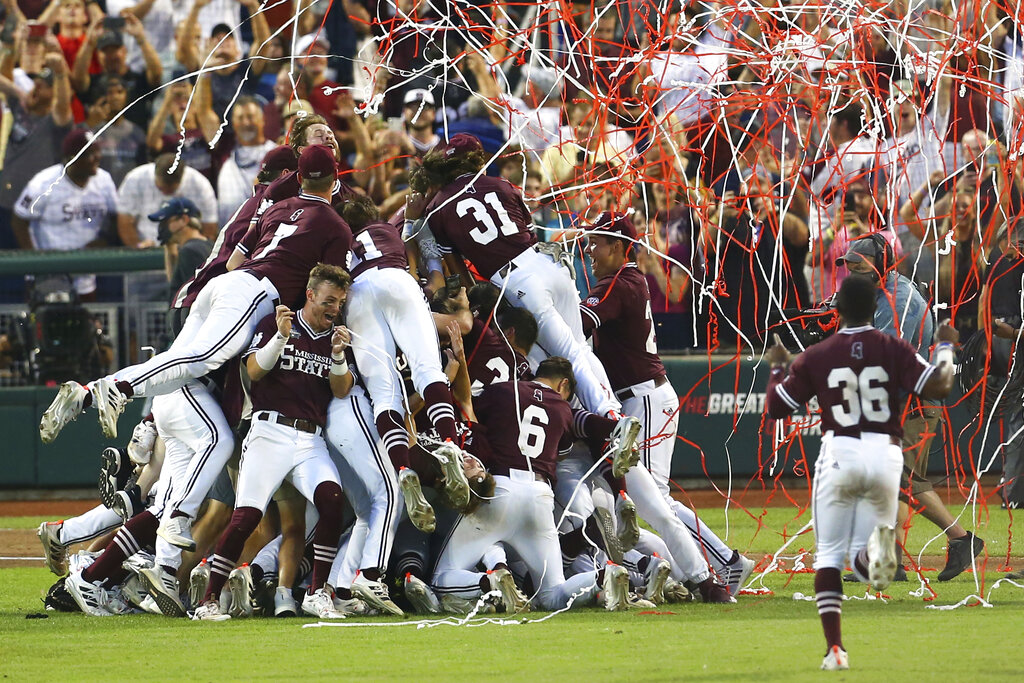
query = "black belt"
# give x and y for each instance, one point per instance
(511, 265)
(301, 425)
(626, 394)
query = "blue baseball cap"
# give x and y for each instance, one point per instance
(175, 206)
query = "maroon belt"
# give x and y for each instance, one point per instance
(626, 394)
(299, 424)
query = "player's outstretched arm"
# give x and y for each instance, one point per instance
(940, 383)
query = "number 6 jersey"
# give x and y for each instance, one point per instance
(858, 375)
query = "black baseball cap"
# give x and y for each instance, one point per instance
(110, 39)
(175, 206)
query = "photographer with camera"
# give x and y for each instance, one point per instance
(901, 311)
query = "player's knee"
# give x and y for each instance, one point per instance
(244, 521)
(327, 500)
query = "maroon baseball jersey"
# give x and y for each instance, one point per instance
(620, 305)
(226, 242)
(491, 359)
(484, 219)
(524, 433)
(858, 375)
(299, 386)
(295, 235)
(378, 245)
(289, 185)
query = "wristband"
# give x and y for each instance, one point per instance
(943, 353)
(268, 356)
(338, 357)
(339, 367)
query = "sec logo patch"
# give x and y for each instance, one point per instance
(592, 301)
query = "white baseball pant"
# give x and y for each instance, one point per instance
(546, 290)
(219, 326)
(657, 408)
(856, 487)
(385, 310)
(521, 515)
(197, 445)
(89, 525)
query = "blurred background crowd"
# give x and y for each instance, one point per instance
(751, 142)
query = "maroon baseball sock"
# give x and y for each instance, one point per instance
(229, 548)
(392, 432)
(828, 593)
(138, 531)
(440, 409)
(591, 426)
(425, 465)
(327, 500)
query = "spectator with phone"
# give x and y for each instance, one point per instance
(124, 143)
(106, 40)
(190, 114)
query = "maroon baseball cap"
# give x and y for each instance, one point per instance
(316, 162)
(75, 141)
(617, 223)
(281, 158)
(461, 143)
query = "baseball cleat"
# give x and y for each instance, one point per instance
(210, 611)
(420, 512)
(65, 407)
(881, 557)
(606, 525)
(656, 576)
(110, 403)
(320, 604)
(712, 591)
(178, 532)
(960, 555)
(637, 602)
(735, 574)
(353, 607)
(91, 598)
(240, 585)
(134, 591)
(621, 445)
(284, 603)
(375, 594)
(676, 592)
(117, 602)
(163, 586)
(198, 580)
(629, 528)
(128, 503)
(459, 605)
(110, 466)
(615, 588)
(56, 552)
(836, 660)
(140, 448)
(149, 605)
(421, 596)
(456, 485)
(263, 595)
(511, 597)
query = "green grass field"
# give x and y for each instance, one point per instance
(763, 637)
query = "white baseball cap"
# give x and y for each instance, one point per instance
(303, 44)
(417, 95)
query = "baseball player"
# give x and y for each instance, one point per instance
(484, 220)
(521, 428)
(617, 314)
(388, 311)
(858, 375)
(286, 243)
(296, 363)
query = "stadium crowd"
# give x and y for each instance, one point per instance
(726, 165)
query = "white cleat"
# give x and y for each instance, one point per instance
(512, 598)
(134, 591)
(375, 594)
(656, 576)
(606, 526)
(284, 603)
(455, 604)
(240, 585)
(65, 407)
(836, 660)
(56, 552)
(456, 485)
(735, 574)
(140, 448)
(616, 588)
(149, 605)
(882, 558)
(198, 580)
(676, 592)
(629, 527)
(421, 596)
(353, 607)
(178, 532)
(320, 604)
(109, 403)
(210, 611)
(90, 597)
(621, 445)
(163, 586)
(420, 512)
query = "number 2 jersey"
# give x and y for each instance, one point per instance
(484, 219)
(859, 376)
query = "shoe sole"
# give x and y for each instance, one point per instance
(101, 399)
(197, 584)
(417, 596)
(655, 591)
(108, 471)
(629, 534)
(49, 426)
(747, 568)
(514, 601)
(177, 541)
(455, 483)
(285, 612)
(122, 505)
(375, 601)
(624, 458)
(420, 512)
(56, 554)
(168, 605)
(882, 569)
(620, 587)
(611, 541)
(241, 594)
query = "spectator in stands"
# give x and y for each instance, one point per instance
(74, 19)
(146, 187)
(418, 112)
(198, 119)
(159, 19)
(180, 233)
(41, 118)
(68, 210)
(223, 53)
(113, 57)
(285, 95)
(124, 143)
(311, 52)
(238, 173)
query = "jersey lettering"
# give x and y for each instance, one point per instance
(283, 230)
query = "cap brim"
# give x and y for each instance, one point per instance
(849, 256)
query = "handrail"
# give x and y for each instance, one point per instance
(119, 260)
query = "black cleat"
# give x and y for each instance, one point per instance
(961, 552)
